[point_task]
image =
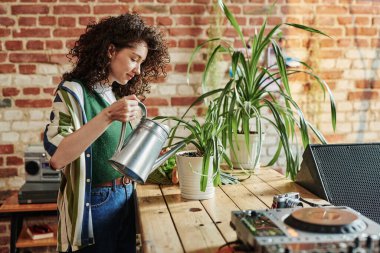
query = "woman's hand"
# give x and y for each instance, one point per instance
(125, 109)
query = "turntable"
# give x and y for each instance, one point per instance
(314, 229)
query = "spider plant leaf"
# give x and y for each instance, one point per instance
(232, 20)
(193, 54)
(209, 63)
(281, 65)
(317, 133)
(276, 155)
(307, 28)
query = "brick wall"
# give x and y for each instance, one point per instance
(36, 35)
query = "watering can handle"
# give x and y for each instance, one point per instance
(123, 126)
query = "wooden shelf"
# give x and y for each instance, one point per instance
(24, 240)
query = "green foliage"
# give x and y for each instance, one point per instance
(163, 174)
(249, 94)
(206, 139)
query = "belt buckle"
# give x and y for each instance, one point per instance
(125, 180)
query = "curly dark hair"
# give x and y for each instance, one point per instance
(90, 53)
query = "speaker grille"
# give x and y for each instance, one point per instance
(351, 176)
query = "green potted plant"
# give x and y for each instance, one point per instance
(199, 169)
(249, 94)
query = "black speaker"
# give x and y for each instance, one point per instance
(344, 175)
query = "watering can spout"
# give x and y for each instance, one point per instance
(161, 159)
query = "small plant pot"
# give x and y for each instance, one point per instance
(243, 157)
(189, 174)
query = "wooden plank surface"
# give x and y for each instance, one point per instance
(156, 226)
(219, 208)
(204, 226)
(24, 240)
(11, 205)
(196, 229)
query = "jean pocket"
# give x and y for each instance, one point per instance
(100, 196)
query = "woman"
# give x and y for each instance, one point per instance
(114, 61)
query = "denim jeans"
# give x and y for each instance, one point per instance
(113, 217)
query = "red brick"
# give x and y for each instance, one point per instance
(110, 9)
(188, 9)
(296, 10)
(201, 20)
(49, 90)
(24, 57)
(183, 20)
(166, 21)
(47, 21)
(362, 43)
(13, 45)
(153, 111)
(10, 91)
(344, 42)
(367, 84)
(330, 54)
(86, 20)
(29, 9)
(54, 44)
(35, 45)
(327, 75)
(6, 149)
(150, 9)
(14, 160)
(27, 21)
(31, 103)
(335, 138)
(70, 44)
(31, 91)
(180, 68)
(182, 101)
(331, 9)
(5, 32)
(189, 31)
(362, 95)
(7, 68)
(189, 43)
(57, 79)
(68, 32)
(154, 101)
(32, 32)
(199, 67)
(67, 21)
(27, 69)
(59, 58)
(361, 31)
(71, 9)
(5, 21)
(345, 20)
(361, 9)
(7, 172)
(362, 20)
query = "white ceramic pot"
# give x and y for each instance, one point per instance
(244, 158)
(189, 174)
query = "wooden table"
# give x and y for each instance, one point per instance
(169, 223)
(17, 212)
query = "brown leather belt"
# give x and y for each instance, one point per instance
(118, 181)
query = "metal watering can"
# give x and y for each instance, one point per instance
(138, 155)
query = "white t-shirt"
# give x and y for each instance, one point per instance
(106, 93)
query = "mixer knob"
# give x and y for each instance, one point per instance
(356, 242)
(252, 213)
(369, 242)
